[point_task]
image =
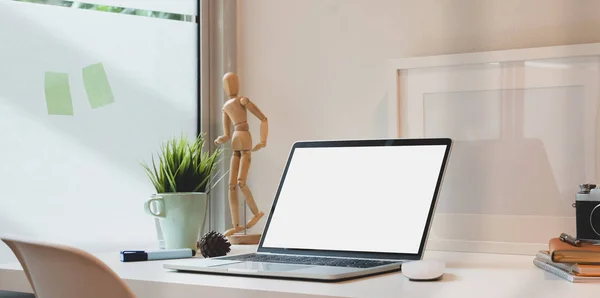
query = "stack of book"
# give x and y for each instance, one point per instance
(573, 263)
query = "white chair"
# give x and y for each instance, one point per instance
(57, 271)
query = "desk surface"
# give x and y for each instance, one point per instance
(467, 275)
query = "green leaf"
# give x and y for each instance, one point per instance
(183, 166)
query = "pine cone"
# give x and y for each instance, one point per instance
(214, 244)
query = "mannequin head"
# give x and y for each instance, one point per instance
(231, 84)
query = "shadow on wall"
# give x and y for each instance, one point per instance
(517, 151)
(501, 177)
(382, 117)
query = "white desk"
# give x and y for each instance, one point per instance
(467, 275)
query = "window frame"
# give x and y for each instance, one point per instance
(217, 48)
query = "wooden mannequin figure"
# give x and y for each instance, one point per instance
(234, 112)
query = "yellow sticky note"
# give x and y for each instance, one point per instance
(58, 94)
(97, 86)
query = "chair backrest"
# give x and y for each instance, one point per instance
(58, 271)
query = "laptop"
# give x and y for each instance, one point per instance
(344, 209)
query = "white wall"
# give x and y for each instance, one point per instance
(316, 67)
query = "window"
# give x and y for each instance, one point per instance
(88, 90)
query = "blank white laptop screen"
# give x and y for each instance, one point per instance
(364, 199)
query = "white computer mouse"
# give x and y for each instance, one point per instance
(423, 270)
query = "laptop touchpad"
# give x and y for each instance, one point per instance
(258, 266)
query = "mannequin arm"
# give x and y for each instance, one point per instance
(226, 130)
(264, 124)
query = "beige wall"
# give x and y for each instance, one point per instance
(315, 67)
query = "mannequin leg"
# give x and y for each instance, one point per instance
(245, 166)
(233, 195)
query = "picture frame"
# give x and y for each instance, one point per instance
(524, 122)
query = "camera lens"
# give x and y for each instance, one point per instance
(595, 219)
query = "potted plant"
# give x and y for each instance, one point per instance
(182, 175)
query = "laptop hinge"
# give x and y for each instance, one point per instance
(333, 257)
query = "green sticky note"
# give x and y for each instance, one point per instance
(58, 93)
(97, 86)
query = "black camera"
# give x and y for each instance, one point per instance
(587, 212)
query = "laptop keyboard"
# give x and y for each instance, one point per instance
(302, 260)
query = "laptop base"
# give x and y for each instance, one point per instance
(278, 277)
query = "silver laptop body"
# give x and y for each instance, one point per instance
(344, 209)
